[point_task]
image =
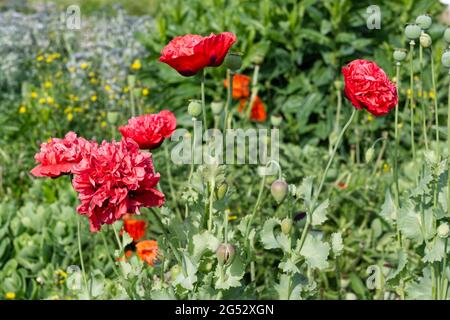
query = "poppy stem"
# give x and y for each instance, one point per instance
(397, 190)
(448, 147)
(422, 100)
(411, 88)
(81, 258)
(203, 98)
(436, 115)
(254, 92)
(229, 97)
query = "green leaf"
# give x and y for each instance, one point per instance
(409, 223)
(436, 252)
(389, 210)
(305, 191)
(319, 215)
(188, 277)
(421, 290)
(203, 242)
(230, 276)
(336, 243)
(315, 252)
(267, 236)
(394, 276)
(290, 288)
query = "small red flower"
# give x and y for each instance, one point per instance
(241, 86)
(135, 228)
(58, 156)
(368, 87)
(147, 250)
(150, 130)
(258, 112)
(115, 179)
(191, 53)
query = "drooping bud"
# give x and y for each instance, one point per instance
(447, 35)
(221, 191)
(424, 21)
(195, 108)
(425, 40)
(286, 225)
(216, 107)
(399, 55)
(279, 190)
(233, 61)
(225, 254)
(413, 31)
(443, 230)
(276, 120)
(369, 154)
(446, 59)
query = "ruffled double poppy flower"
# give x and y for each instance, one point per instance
(191, 53)
(147, 251)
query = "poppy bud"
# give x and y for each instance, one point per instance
(225, 254)
(369, 154)
(221, 191)
(112, 117)
(216, 107)
(276, 120)
(399, 55)
(233, 61)
(425, 40)
(175, 271)
(195, 108)
(424, 21)
(447, 35)
(446, 59)
(413, 31)
(279, 190)
(286, 225)
(443, 230)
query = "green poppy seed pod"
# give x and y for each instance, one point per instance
(399, 55)
(279, 190)
(112, 117)
(369, 154)
(424, 21)
(276, 120)
(443, 230)
(447, 35)
(195, 108)
(286, 225)
(425, 40)
(233, 61)
(225, 254)
(446, 59)
(221, 191)
(216, 107)
(413, 31)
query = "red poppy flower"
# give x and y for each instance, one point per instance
(135, 228)
(58, 156)
(150, 130)
(241, 86)
(368, 87)
(258, 112)
(147, 250)
(115, 179)
(191, 53)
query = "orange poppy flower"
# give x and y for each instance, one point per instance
(128, 254)
(135, 228)
(258, 109)
(147, 250)
(241, 87)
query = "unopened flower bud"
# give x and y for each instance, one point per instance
(279, 190)
(233, 61)
(350, 296)
(276, 120)
(369, 154)
(413, 31)
(446, 59)
(112, 117)
(447, 35)
(424, 21)
(216, 107)
(425, 40)
(221, 191)
(225, 254)
(286, 225)
(399, 55)
(175, 271)
(443, 230)
(195, 108)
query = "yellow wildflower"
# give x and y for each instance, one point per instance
(48, 84)
(42, 100)
(10, 295)
(93, 81)
(22, 109)
(94, 98)
(409, 93)
(107, 87)
(232, 217)
(33, 95)
(369, 117)
(72, 69)
(70, 116)
(386, 168)
(103, 124)
(126, 89)
(103, 114)
(40, 58)
(78, 109)
(431, 94)
(145, 92)
(84, 65)
(50, 100)
(91, 74)
(49, 59)
(136, 65)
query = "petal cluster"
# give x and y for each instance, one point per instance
(368, 87)
(191, 53)
(115, 179)
(58, 156)
(150, 130)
